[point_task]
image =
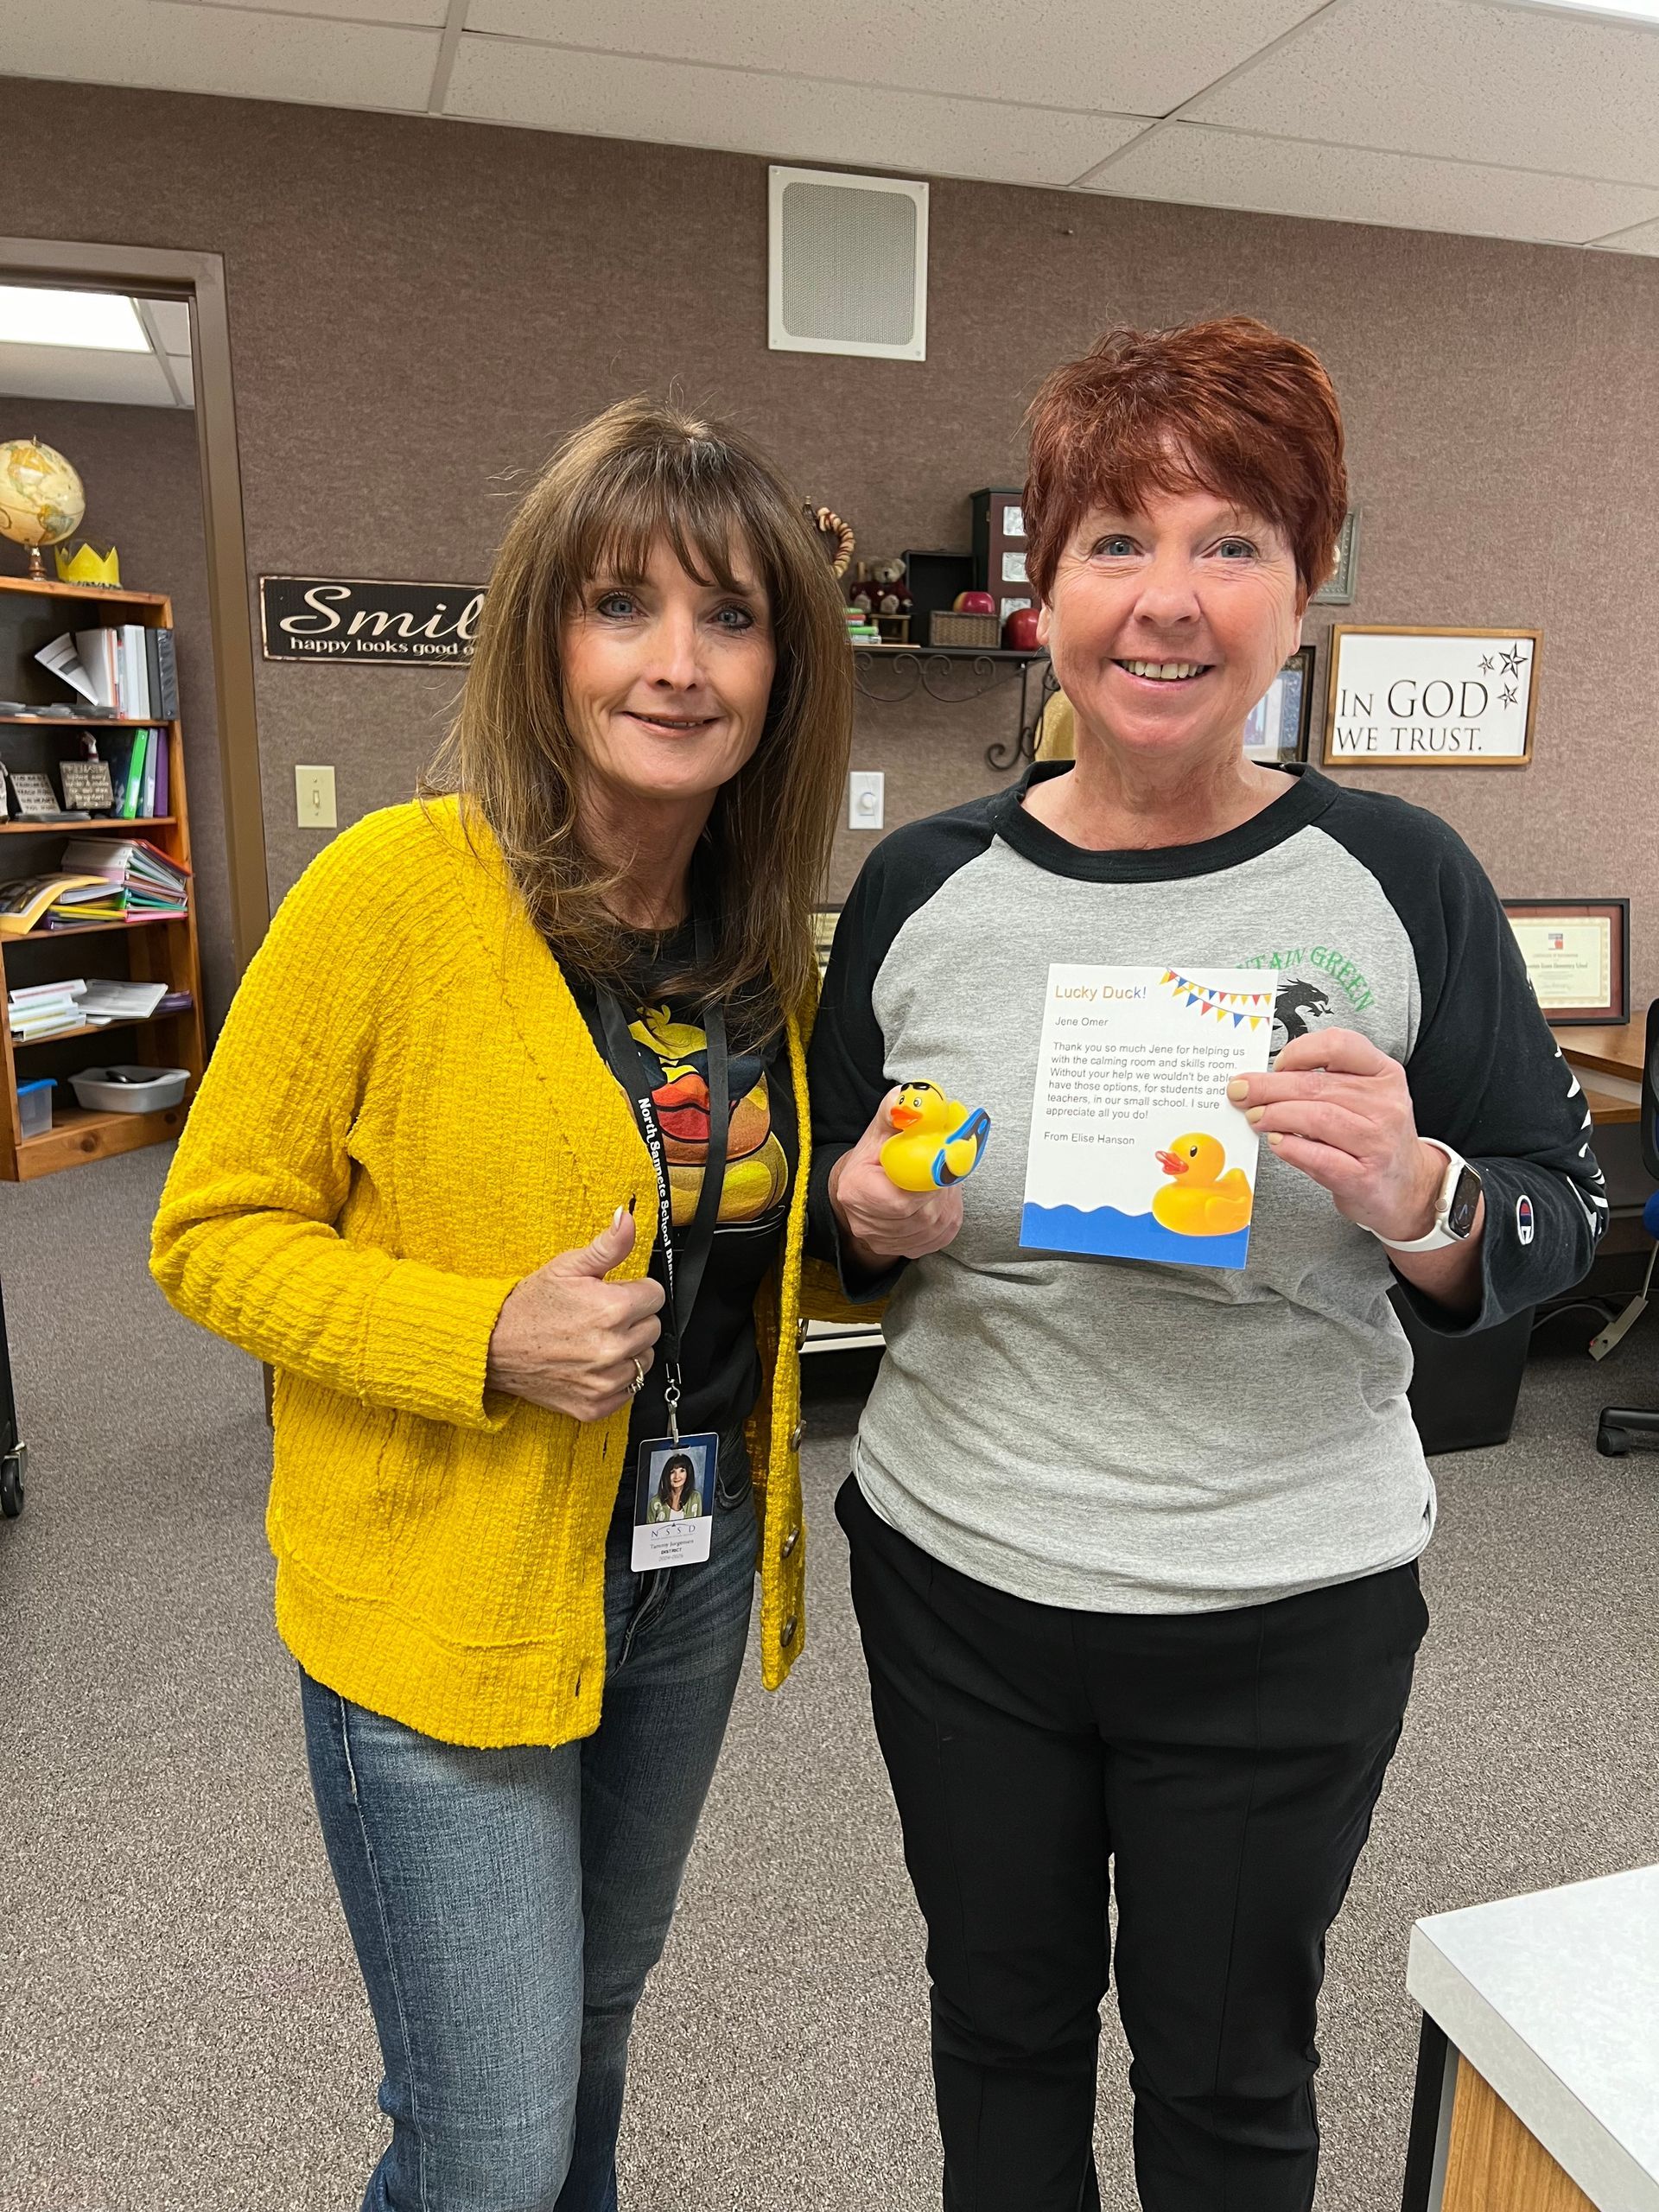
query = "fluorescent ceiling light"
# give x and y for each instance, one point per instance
(107, 321)
(1624, 11)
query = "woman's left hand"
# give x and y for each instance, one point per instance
(1337, 1107)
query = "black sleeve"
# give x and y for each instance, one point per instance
(845, 1062)
(1486, 1076)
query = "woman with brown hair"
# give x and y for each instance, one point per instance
(501, 1165)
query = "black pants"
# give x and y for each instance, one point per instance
(1222, 1768)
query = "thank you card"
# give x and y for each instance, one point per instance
(1136, 1152)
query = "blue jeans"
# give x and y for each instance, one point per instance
(507, 1906)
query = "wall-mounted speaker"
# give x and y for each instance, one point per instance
(848, 265)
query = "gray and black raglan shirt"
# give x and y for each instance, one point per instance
(1124, 1436)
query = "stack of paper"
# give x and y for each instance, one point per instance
(143, 880)
(105, 1002)
(43, 1009)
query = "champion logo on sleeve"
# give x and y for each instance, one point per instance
(1523, 1218)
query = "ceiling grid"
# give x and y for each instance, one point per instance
(1530, 119)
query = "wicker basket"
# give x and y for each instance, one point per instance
(980, 630)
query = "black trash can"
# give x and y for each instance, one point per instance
(1465, 1389)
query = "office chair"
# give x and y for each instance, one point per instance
(1623, 1429)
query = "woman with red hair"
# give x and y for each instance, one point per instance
(1135, 1542)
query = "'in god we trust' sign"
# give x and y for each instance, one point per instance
(1430, 698)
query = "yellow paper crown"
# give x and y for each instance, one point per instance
(87, 565)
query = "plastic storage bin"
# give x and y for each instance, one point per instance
(34, 1107)
(130, 1089)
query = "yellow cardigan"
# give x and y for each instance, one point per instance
(404, 1116)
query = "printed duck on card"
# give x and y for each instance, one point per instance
(1136, 1153)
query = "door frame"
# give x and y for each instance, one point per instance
(164, 272)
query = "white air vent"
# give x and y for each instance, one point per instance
(848, 265)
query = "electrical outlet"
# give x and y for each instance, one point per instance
(866, 798)
(313, 792)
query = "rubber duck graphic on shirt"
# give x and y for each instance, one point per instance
(756, 1172)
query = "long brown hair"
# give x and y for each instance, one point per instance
(639, 475)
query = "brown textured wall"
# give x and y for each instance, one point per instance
(143, 492)
(419, 309)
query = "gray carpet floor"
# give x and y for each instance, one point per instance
(183, 2028)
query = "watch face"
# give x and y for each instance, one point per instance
(1466, 1203)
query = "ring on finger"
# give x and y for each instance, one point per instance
(638, 1382)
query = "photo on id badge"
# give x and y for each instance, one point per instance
(674, 1501)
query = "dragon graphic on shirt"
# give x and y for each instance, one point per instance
(757, 1171)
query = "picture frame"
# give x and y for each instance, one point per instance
(88, 784)
(1339, 591)
(1277, 727)
(1577, 952)
(1410, 696)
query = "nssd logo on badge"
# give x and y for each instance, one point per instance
(1523, 1218)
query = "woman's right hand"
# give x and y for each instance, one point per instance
(880, 1222)
(567, 1339)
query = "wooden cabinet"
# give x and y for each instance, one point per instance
(150, 951)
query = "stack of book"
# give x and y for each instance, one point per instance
(54, 902)
(124, 669)
(142, 882)
(43, 1010)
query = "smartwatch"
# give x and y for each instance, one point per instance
(1454, 1210)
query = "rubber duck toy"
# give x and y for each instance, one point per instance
(1201, 1201)
(937, 1142)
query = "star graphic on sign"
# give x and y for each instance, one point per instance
(1507, 694)
(1485, 664)
(1512, 660)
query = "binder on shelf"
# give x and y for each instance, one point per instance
(147, 794)
(163, 658)
(135, 774)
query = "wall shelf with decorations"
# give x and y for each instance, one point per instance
(150, 949)
(954, 675)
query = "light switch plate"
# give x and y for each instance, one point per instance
(866, 798)
(313, 796)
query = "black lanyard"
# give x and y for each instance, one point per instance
(639, 1072)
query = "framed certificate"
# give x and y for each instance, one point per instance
(1576, 952)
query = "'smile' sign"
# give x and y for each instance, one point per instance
(320, 618)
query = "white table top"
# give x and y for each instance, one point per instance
(1554, 1999)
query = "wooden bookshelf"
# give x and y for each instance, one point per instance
(156, 949)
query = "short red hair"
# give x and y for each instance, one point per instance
(1228, 405)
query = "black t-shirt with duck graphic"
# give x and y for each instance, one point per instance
(720, 1361)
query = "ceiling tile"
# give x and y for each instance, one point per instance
(77, 372)
(1286, 176)
(415, 12)
(1502, 85)
(1119, 56)
(252, 54)
(794, 119)
(1643, 239)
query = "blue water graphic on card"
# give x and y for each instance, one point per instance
(1136, 1152)
(1105, 1234)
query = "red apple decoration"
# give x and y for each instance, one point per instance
(974, 602)
(1020, 631)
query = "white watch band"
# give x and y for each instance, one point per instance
(1439, 1235)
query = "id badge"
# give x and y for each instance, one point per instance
(674, 1501)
